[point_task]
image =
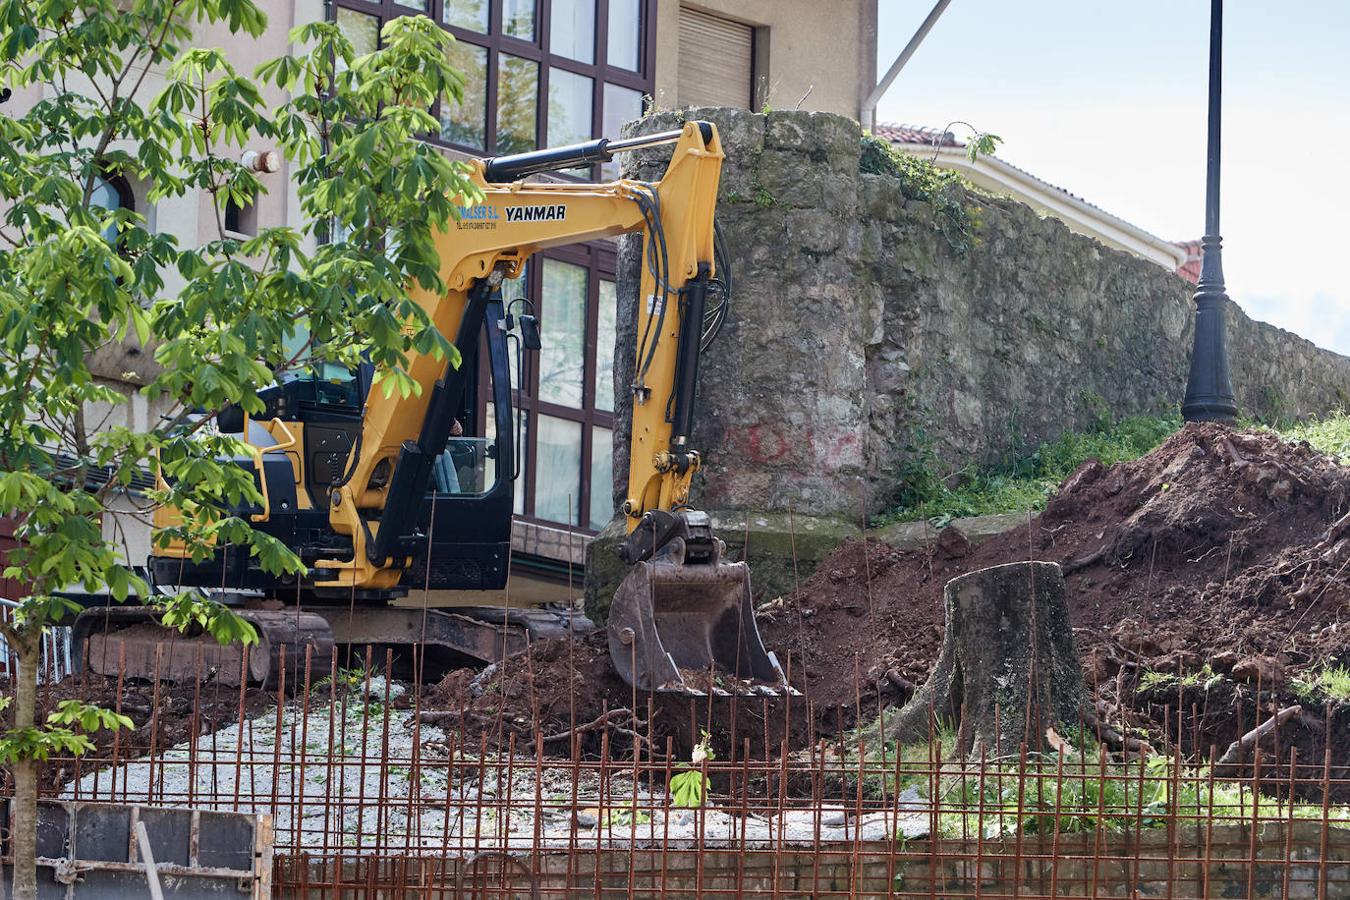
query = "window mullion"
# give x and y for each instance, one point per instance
(543, 13)
(601, 34)
(582, 516)
(590, 338)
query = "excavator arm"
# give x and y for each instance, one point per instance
(349, 485)
(682, 620)
(401, 436)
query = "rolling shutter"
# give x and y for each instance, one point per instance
(716, 60)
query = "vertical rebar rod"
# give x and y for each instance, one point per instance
(1209, 822)
(1287, 857)
(239, 740)
(154, 725)
(281, 735)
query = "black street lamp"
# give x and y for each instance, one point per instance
(1209, 388)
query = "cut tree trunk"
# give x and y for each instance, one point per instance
(1007, 671)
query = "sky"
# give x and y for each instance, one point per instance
(1107, 99)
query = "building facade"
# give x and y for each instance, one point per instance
(546, 73)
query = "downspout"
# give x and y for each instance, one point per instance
(869, 105)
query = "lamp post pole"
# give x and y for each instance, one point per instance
(1209, 388)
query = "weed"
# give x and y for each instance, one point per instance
(689, 787)
(1022, 481)
(347, 679)
(921, 179)
(1332, 683)
(1006, 799)
(619, 816)
(1204, 676)
(911, 768)
(1335, 683)
(764, 199)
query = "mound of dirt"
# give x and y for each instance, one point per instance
(1223, 548)
(1219, 544)
(559, 689)
(552, 688)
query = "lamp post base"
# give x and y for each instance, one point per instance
(1209, 388)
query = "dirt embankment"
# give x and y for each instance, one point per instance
(1227, 549)
(1214, 566)
(1219, 544)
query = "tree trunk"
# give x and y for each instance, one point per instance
(23, 825)
(1007, 670)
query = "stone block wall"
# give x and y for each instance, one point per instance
(856, 324)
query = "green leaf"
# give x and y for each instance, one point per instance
(688, 789)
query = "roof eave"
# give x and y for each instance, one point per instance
(1059, 203)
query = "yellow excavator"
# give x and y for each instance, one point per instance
(389, 499)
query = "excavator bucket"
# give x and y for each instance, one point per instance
(689, 627)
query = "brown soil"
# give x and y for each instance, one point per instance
(1218, 544)
(1221, 547)
(162, 718)
(559, 688)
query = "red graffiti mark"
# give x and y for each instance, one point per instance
(768, 443)
(843, 450)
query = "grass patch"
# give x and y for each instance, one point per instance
(1130, 796)
(1154, 679)
(885, 775)
(1332, 683)
(1023, 481)
(1085, 795)
(1330, 435)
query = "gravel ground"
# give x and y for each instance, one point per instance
(349, 802)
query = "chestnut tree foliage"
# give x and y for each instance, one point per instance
(118, 90)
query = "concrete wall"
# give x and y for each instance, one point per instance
(819, 55)
(862, 334)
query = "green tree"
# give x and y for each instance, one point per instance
(122, 93)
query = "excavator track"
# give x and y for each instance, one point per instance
(131, 641)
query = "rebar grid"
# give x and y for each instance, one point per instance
(368, 800)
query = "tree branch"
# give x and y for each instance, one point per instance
(1239, 748)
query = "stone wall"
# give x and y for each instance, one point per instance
(856, 323)
(861, 334)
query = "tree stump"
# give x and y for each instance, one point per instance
(1007, 670)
